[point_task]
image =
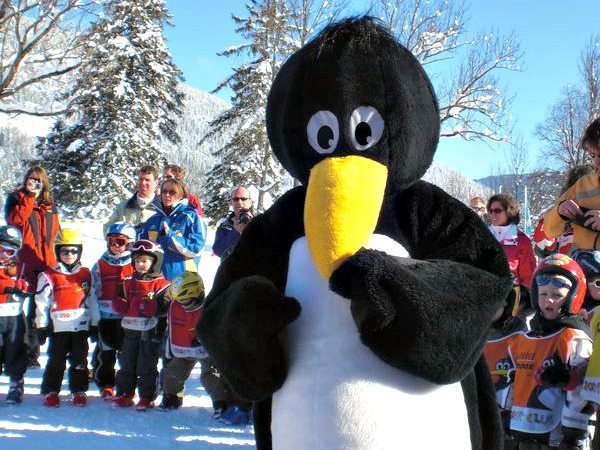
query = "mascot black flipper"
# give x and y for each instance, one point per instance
(395, 281)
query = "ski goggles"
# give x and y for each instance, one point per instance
(7, 251)
(143, 245)
(118, 241)
(557, 282)
(68, 251)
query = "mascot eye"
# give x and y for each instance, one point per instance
(366, 127)
(323, 131)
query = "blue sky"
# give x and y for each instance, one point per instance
(552, 33)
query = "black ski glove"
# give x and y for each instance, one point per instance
(556, 375)
(93, 333)
(43, 334)
(573, 439)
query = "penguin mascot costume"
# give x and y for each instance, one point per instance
(354, 311)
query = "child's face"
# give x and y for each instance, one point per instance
(117, 244)
(6, 253)
(594, 288)
(68, 254)
(143, 263)
(550, 300)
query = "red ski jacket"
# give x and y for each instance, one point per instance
(39, 225)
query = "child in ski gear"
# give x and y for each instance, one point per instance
(142, 302)
(590, 263)
(508, 324)
(65, 314)
(107, 279)
(183, 349)
(13, 351)
(550, 361)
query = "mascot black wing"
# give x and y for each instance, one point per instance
(354, 311)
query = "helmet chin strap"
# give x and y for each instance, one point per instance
(70, 267)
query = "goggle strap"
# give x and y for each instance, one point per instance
(517, 290)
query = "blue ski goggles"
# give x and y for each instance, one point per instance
(543, 280)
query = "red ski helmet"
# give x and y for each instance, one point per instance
(559, 264)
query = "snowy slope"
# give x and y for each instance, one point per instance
(98, 426)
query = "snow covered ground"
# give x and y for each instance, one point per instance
(98, 426)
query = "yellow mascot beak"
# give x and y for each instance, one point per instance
(343, 200)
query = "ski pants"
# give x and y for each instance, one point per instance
(110, 338)
(138, 359)
(13, 351)
(176, 372)
(219, 390)
(63, 346)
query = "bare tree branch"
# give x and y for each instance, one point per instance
(40, 44)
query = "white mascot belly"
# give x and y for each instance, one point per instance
(339, 395)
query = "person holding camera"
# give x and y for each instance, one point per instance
(177, 228)
(231, 228)
(31, 210)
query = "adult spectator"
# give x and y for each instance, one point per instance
(174, 171)
(504, 217)
(31, 209)
(580, 204)
(231, 228)
(143, 204)
(177, 228)
(545, 245)
(479, 207)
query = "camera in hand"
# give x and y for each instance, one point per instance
(244, 216)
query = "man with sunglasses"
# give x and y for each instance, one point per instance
(231, 228)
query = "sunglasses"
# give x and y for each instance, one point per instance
(556, 282)
(143, 245)
(496, 210)
(37, 180)
(478, 208)
(171, 193)
(117, 241)
(7, 251)
(68, 251)
(239, 199)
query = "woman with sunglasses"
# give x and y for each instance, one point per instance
(177, 228)
(31, 209)
(504, 217)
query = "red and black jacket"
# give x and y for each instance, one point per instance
(38, 223)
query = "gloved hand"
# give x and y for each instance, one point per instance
(573, 439)
(43, 334)
(558, 374)
(93, 333)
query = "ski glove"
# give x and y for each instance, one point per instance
(573, 439)
(43, 334)
(93, 333)
(557, 374)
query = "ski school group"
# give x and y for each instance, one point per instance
(140, 302)
(540, 350)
